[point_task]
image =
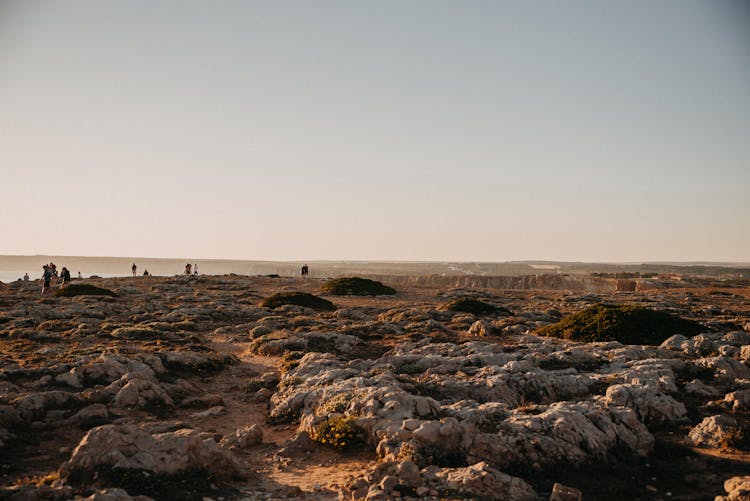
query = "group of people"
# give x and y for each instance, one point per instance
(135, 271)
(305, 270)
(50, 272)
(190, 269)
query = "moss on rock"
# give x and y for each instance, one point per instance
(628, 324)
(298, 299)
(84, 290)
(356, 286)
(475, 306)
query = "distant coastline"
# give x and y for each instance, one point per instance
(13, 267)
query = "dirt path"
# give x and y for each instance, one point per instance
(316, 474)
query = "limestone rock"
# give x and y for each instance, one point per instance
(243, 438)
(714, 431)
(125, 447)
(92, 415)
(480, 480)
(139, 392)
(480, 328)
(651, 405)
(738, 489)
(562, 492)
(737, 401)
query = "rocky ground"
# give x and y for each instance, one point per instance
(185, 388)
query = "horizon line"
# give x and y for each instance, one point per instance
(411, 261)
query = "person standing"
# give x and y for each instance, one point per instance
(187, 269)
(195, 269)
(26, 277)
(134, 268)
(65, 276)
(46, 278)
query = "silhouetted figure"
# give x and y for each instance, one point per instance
(305, 270)
(65, 275)
(134, 268)
(79, 275)
(195, 269)
(46, 278)
(187, 269)
(26, 277)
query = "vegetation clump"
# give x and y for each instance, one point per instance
(628, 324)
(337, 432)
(475, 306)
(298, 299)
(84, 290)
(356, 286)
(337, 403)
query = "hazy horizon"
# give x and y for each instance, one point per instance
(427, 131)
(376, 261)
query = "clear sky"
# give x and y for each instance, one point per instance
(383, 129)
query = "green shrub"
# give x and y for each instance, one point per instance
(475, 306)
(84, 290)
(628, 324)
(337, 433)
(424, 456)
(355, 286)
(298, 299)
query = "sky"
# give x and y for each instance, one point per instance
(376, 130)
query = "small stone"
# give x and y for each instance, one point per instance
(213, 411)
(562, 492)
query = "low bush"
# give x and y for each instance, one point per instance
(84, 290)
(337, 433)
(628, 324)
(298, 299)
(475, 306)
(355, 286)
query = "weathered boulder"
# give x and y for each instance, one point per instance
(92, 415)
(738, 489)
(563, 432)
(125, 447)
(33, 406)
(674, 342)
(136, 391)
(195, 362)
(243, 437)
(725, 369)
(106, 368)
(737, 401)
(736, 338)
(651, 405)
(562, 492)
(715, 431)
(480, 328)
(480, 480)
